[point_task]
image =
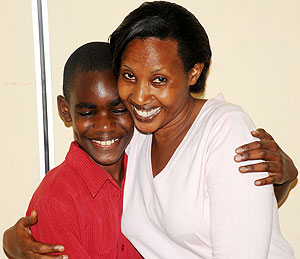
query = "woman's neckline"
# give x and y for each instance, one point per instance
(185, 137)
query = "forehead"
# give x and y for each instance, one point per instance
(152, 51)
(94, 84)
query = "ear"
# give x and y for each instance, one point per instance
(195, 73)
(64, 109)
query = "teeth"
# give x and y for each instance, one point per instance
(147, 114)
(106, 142)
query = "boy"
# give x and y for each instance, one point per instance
(80, 201)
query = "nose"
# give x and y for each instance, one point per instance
(104, 123)
(141, 93)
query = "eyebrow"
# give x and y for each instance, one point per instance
(85, 106)
(116, 102)
(152, 72)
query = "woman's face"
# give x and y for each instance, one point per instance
(153, 83)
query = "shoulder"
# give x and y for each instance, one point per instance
(220, 121)
(61, 183)
(218, 108)
(217, 111)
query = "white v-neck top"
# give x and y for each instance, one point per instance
(199, 205)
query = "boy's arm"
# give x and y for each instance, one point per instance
(281, 169)
(18, 242)
(58, 223)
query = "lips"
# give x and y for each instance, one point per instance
(105, 143)
(146, 114)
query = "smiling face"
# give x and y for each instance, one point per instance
(154, 85)
(101, 124)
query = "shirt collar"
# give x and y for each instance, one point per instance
(93, 175)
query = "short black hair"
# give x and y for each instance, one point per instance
(92, 56)
(165, 20)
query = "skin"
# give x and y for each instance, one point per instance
(158, 84)
(282, 171)
(95, 112)
(98, 118)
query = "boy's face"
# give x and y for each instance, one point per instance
(101, 124)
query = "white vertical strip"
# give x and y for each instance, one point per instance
(48, 82)
(36, 41)
(38, 83)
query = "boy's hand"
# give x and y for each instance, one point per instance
(278, 164)
(18, 242)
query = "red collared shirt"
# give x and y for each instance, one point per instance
(80, 205)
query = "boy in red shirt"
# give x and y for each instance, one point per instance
(80, 201)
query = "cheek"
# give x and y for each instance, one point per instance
(81, 126)
(127, 123)
(169, 96)
(124, 90)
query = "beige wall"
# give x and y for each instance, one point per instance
(19, 154)
(256, 62)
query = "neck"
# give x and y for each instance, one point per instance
(177, 128)
(116, 170)
(166, 140)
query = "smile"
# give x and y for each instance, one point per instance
(147, 114)
(105, 143)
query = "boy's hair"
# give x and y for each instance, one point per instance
(165, 20)
(93, 56)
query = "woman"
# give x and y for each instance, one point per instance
(162, 54)
(183, 196)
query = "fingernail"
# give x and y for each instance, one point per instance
(243, 169)
(238, 158)
(257, 182)
(65, 257)
(60, 248)
(239, 150)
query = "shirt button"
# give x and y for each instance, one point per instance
(123, 247)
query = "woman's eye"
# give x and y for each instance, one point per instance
(159, 80)
(128, 76)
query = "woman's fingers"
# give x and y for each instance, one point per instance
(41, 248)
(40, 256)
(32, 219)
(19, 243)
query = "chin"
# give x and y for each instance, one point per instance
(144, 128)
(107, 161)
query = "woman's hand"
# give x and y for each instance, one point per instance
(281, 169)
(18, 242)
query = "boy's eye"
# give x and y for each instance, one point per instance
(86, 114)
(128, 76)
(159, 80)
(119, 111)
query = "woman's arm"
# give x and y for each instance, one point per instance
(241, 213)
(281, 169)
(18, 242)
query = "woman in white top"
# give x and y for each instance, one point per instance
(184, 197)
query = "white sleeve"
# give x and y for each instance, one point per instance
(241, 213)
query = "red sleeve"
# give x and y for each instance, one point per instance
(58, 224)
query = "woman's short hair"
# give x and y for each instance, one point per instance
(165, 20)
